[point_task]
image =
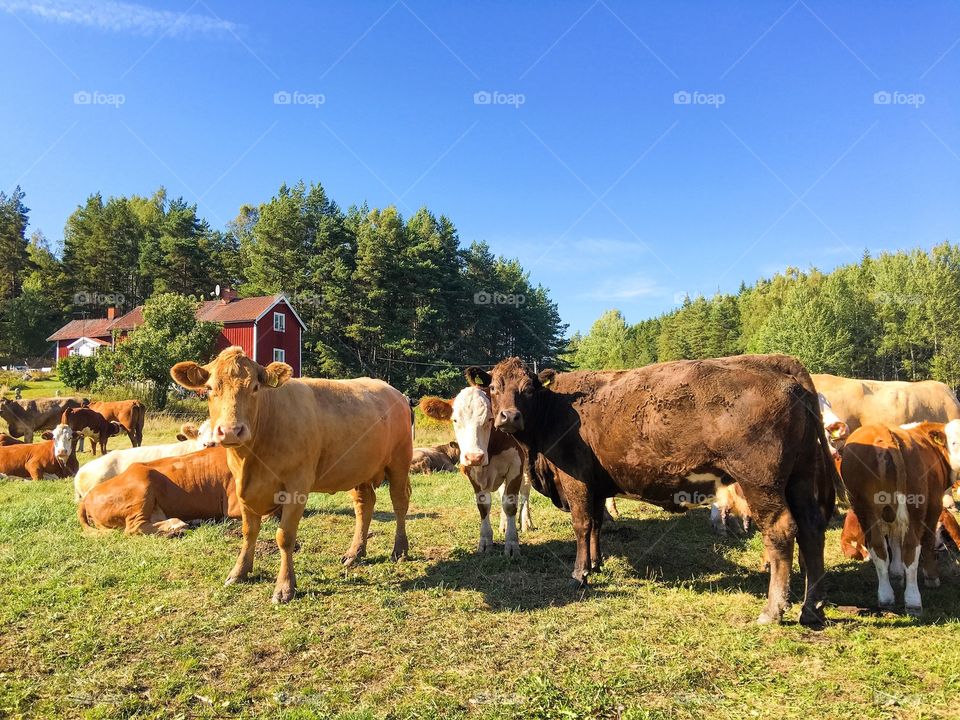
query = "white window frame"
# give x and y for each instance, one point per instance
(279, 355)
(280, 326)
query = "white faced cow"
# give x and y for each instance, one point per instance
(491, 460)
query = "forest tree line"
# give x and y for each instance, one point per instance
(891, 317)
(381, 295)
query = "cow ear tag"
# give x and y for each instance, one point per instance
(546, 383)
(939, 439)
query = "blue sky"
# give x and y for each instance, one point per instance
(586, 164)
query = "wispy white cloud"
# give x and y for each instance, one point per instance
(630, 287)
(121, 17)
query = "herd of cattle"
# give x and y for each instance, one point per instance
(757, 436)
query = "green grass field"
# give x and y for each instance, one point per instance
(110, 626)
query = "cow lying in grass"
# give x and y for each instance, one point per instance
(55, 456)
(103, 468)
(491, 460)
(896, 479)
(164, 495)
(439, 458)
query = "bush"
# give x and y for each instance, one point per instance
(77, 372)
(12, 380)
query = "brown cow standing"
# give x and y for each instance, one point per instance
(439, 458)
(129, 414)
(896, 479)
(87, 419)
(670, 433)
(162, 496)
(286, 438)
(55, 456)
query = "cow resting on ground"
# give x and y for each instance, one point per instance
(677, 430)
(491, 460)
(286, 438)
(103, 468)
(55, 456)
(164, 495)
(896, 479)
(439, 458)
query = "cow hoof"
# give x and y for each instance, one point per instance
(400, 550)
(283, 595)
(484, 545)
(768, 619)
(352, 556)
(233, 579)
(914, 610)
(527, 527)
(511, 549)
(813, 617)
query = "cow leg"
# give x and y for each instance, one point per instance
(911, 591)
(881, 562)
(80, 442)
(811, 526)
(526, 522)
(399, 476)
(486, 532)
(509, 497)
(897, 569)
(581, 515)
(364, 498)
(251, 529)
(928, 558)
(779, 531)
(286, 587)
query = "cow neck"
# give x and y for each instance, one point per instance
(546, 411)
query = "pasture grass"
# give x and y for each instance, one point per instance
(107, 626)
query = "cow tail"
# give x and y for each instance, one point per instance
(896, 454)
(830, 483)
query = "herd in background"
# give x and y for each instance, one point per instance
(756, 435)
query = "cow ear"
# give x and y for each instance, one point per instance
(477, 377)
(115, 428)
(47, 435)
(275, 374)
(938, 437)
(436, 408)
(547, 377)
(188, 431)
(454, 444)
(190, 375)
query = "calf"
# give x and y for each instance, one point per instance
(56, 456)
(896, 479)
(129, 414)
(164, 495)
(97, 427)
(440, 458)
(105, 467)
(491, 460)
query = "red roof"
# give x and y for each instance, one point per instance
(241, 310)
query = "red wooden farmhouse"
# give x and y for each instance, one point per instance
(266, 327)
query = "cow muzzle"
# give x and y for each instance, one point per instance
(474, 459)
(510, 421)
(231, 435)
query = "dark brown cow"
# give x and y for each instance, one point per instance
(439, 458)
(129, 414)
(87, 419)
(55, 456)
(25, 417)
(896, 478)
(670, 433)
(162, 496)
(7, 440)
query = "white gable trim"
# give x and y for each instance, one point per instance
(281, 298)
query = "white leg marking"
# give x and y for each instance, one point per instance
(896, 561)
(486, 535)
(885, 597)
(911, 593)
(511, 542)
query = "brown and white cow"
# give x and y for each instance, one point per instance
(164, 495)
(676, 430)
(56, 456)
(896, 479)
(286, 438)
(128, 414)
(439, 458)
(491, 460)
(25, 417)
(85, 422)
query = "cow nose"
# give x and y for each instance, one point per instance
(473, 458)
(509, 420)
(230, 433)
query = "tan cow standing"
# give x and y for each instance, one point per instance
(286, 438)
